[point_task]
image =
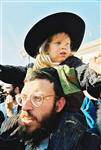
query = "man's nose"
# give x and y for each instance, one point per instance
(27, 105)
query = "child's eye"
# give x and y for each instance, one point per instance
(58, 43)
(68, 44)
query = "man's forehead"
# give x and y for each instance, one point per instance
(38, 85)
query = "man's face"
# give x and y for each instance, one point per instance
(7, 88)
(31, 116)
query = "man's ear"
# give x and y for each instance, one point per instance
(60, 104)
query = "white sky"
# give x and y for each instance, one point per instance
(17, 17)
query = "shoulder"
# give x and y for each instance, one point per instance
(8, 126)
(89, 141)
(73, 61)
(68, 133)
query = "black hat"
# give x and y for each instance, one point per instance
(59, 22)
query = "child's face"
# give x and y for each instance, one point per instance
(59, 47)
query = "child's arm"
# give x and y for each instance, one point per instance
(89, 80)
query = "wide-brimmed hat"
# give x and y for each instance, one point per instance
(59, 22)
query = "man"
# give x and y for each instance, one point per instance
(6, 106)
(99, 118)
(9, 106)
(44, 121)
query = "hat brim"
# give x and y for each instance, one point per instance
(55, 23)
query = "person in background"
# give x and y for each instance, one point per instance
(44, 121)
(99, 117)
(9, 107)
(1, 117)
(98, 60)
(2, 96)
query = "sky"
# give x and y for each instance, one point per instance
(17, 17)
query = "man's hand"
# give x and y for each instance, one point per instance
(9, 105)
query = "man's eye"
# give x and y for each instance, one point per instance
(36, 99)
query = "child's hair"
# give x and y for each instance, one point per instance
(43, 58)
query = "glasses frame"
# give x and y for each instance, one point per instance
(32, 99)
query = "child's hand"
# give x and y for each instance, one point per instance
(95, 63)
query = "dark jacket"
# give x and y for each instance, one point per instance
(87, 78)
(71, 134)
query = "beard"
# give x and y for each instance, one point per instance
(48, 125)
(99, 119)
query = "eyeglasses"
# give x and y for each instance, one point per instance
(35, 100)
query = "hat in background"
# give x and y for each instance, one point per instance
(58, 22)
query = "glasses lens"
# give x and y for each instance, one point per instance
(36, 100)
